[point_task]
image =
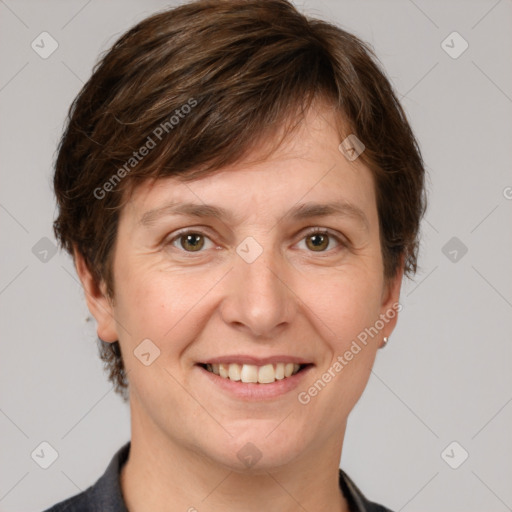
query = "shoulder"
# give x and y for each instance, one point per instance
(356, 499)
(78, 503)
(104, 496)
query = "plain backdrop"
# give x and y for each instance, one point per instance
(446, 374)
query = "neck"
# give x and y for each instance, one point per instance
(162, 475)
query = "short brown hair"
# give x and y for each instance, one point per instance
(211, 80)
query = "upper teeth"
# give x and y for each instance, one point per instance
(251, 373)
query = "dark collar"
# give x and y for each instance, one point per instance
(106, 495)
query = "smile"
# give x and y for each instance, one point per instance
(250, 373)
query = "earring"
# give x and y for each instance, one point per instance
(385, 340)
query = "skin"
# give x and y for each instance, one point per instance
(294, 299)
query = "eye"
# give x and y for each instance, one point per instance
(189, 241)
(318, 240)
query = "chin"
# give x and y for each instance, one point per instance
(258, 452)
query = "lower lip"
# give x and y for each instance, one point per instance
(253, 391)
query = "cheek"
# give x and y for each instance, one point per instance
(347, 303)
(342, 310)
(159, 305)
(345, 311)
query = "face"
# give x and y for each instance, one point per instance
(265, 278)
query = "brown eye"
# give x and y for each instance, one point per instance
(189, 242)
(192, 242)
(317, 241)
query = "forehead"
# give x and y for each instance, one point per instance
(308, 167)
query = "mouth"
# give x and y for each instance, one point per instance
(255, 374)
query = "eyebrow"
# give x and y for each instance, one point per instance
(298, 212)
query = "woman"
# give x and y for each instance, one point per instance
(241, 192)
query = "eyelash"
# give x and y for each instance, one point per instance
(310, 232)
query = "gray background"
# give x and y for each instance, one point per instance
(445, 375)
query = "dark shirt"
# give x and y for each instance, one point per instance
(105, 495)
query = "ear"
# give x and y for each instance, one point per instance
(98, 302)
(390, 305)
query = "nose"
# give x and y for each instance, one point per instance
(258, 298)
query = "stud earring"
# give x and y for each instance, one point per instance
(385, 340)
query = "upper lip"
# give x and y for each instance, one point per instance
(257, 361)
